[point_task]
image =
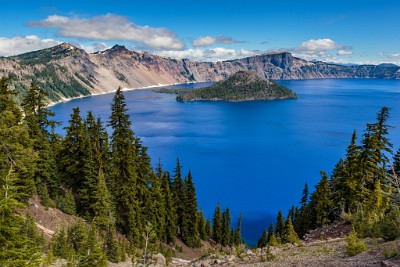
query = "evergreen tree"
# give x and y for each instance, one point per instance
(102, 205)
(291, 213)
(321, 202)
(7, 103)
(280, 227)
(73, 152)
(60, 245)
(238, 232)
(375, 146)
(208, 229)
(271, 232)
(16, 246)
(77, 236)
(190, 234)
(263, 241)
(290, 235)
(303, 221)
(226, 226)
(66, 202)
(178, 194)
(304, 197)
(123, 170)
(346, 179)
(147, 194)
(16, 145)
(91, 254)
(217, 225)
(154, 206)
(231, 237)
(352, 187)
(339, 184)
(31, 231)
(38, 119)
(201, 225)
(170, 211)
(89, 182)
(396, 163)
(112, 246)
(95, 158)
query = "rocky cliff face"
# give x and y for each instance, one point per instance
(66, 71)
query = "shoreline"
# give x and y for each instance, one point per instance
(124, 89)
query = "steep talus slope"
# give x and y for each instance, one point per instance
(119, 66)
(66, 71)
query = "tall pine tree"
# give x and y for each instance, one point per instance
(321, 201)
(190, 234)
(124, 170)
(217, 224)
(280, 227)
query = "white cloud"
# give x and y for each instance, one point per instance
(220, 53)
(344, 53)
(313, 56)
(22, 44)
(212, 54)
(204, 41)
(93, 47)
(393, 55)
(190, 53)
(111, 27)
(319, 45)
(209, 40)
(324, 49)
(249, 53)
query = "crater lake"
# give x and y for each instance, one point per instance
(253, 157)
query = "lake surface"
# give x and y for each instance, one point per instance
(253, 157)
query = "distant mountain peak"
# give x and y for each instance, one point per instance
(284, 53)
(67, 46)
(62, 50)
(118, 49)
(388, 65)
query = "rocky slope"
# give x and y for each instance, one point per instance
(66, 71)
(322, 247)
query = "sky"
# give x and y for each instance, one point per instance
(351, 31)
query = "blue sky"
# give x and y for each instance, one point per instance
(334, 31)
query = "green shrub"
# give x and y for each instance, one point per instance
(390, 252)
(367, 224)
(390, 226)
(355, 245)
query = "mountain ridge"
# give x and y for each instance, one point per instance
(66, 71)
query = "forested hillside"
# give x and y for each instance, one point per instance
(129, 209)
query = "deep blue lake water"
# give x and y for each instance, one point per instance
(254, 157)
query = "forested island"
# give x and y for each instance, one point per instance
(240, 86)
